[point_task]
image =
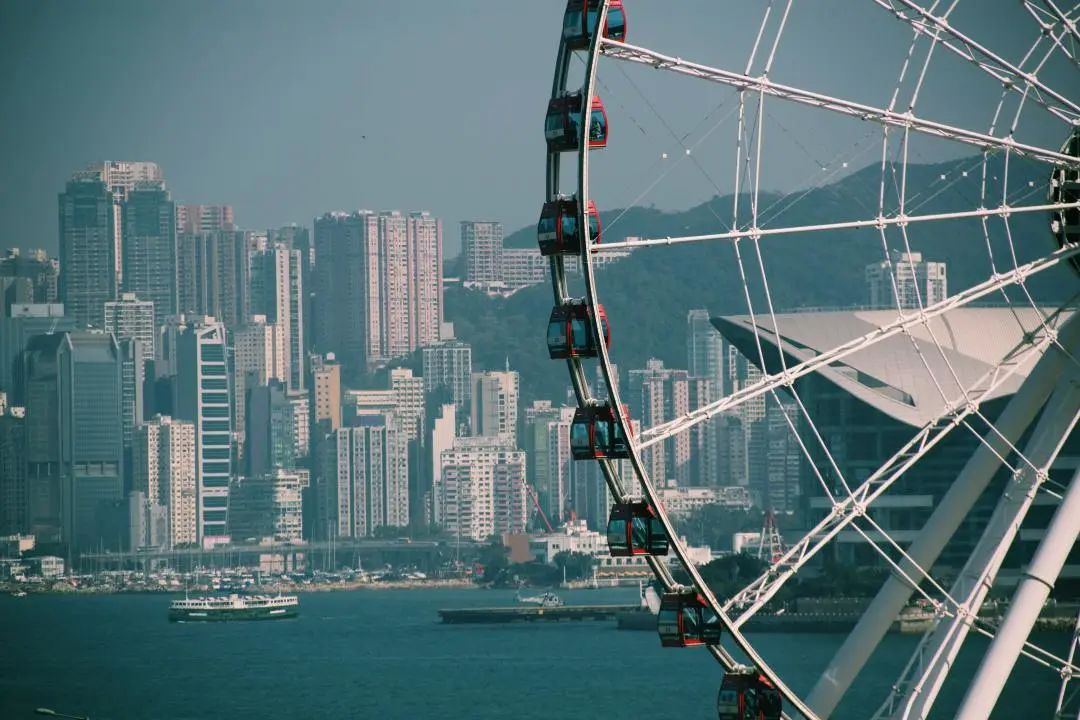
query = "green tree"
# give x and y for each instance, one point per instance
(495, 557)
(578, 566)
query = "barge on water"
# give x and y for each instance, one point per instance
(523, 613)
(234, 607)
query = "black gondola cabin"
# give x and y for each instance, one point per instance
(570, 331)
(746, 694)
(562, 126)
(557, 231)
(634, 529)
(685, 620)
(1065, 188)
(596, 434)
(579, 22)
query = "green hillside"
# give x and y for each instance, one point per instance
(648, 295)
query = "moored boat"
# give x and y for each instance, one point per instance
(234, 607)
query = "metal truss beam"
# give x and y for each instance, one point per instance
(948, 514)
(939, 648)
(846, 510)
(879, 223)
(742, 81)
(661, 432)
(926, 23)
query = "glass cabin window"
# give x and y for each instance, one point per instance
(553, 125)
(619, 443)
(640, 537)
(579, 437)
(603, 436)
(556, 336)
(572, 24)
(667, 622)
(691, 623)
(569, 228)
(616, 24)
(616, 534)
(579, 335)
(597, 126)
(546, 226)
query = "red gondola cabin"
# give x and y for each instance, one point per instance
(579, 22)
(634, 529)
(685, 620)
(562, 126)
(746, 694)
(570, 332)
(557, 231)
(597, 434)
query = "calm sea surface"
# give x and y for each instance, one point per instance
(383, 654)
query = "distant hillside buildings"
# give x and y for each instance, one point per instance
(377, 285)
(905, 281)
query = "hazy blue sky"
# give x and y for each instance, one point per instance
(286, 110)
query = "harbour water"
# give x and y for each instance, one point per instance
(384, 654)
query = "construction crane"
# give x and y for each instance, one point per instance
(771, 545)
(536, 503)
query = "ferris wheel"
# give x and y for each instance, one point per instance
(1028, 375)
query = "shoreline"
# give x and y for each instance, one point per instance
(62, 587)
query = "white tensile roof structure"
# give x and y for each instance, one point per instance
(904, 376)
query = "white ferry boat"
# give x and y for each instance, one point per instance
(234, 607)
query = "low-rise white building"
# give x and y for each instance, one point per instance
(680, 501)
(576, 537)
(49, 566)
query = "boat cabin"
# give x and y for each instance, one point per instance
(557, 231)
(597, 434)
(570, 332)
(686, 620)
(579, 22)
(562, 126)
(635, 529)
(746, 694)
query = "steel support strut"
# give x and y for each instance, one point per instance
(1032, 592)
(946, 518)
(974, 582)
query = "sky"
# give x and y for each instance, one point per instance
(287, 110)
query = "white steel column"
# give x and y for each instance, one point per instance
(1030, 595)
(975, 580)
(946, 518)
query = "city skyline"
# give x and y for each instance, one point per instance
(777, 341)
(318, 161)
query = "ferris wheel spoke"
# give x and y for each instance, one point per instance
(926, 22)
(972, 585)
(644, 56)
(659, 433)
(847, 510)
(878, 222)
(1048, 26)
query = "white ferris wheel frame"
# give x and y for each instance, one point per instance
(1055, 345)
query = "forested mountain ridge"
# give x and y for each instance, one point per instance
(647, 296)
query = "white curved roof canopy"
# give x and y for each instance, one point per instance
(890, 375)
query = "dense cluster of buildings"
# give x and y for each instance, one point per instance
(175, 380)
(172, 380)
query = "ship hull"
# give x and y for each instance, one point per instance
(223, 615)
